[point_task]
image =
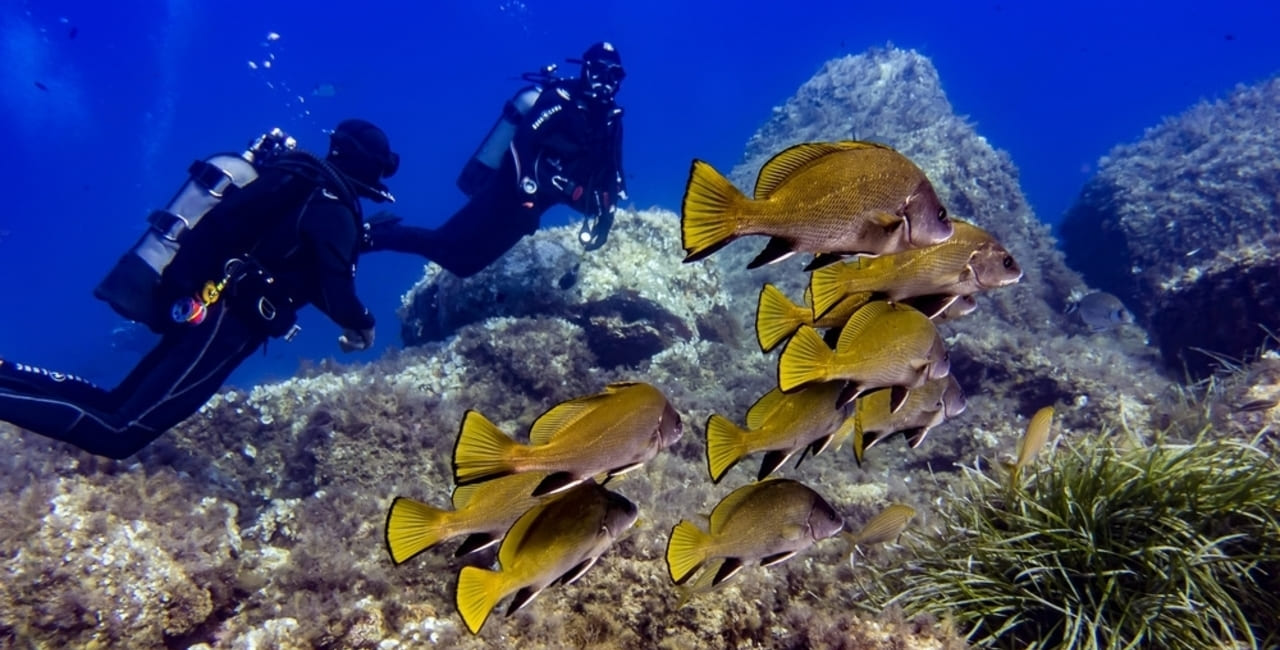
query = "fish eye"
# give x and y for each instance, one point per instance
(942, 214)
(1008, 261)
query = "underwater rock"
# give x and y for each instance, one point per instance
(631, 298)
(1183, 223)
(1014, 350)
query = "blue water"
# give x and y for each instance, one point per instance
(103, 105)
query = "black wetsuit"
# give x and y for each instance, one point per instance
(571, 148)
(311, 252)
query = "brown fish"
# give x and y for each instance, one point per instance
(933, 277)
(482, 512)
(882, 346)
(768, 522)
(778, 424)
(884, 527)
(778, 318)
(827, 198)
(613, 432)
(926, 407)
(554, 542)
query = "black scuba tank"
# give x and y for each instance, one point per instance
(133, 286)
(484, 163)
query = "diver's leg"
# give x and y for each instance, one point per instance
(476, 235)
(164, 390)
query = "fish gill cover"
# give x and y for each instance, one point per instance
(256, 522)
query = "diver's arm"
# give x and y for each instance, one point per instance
(329, 230)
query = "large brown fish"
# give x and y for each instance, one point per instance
(827, 198)
(934, 276)
(882, 346)
(557, 541)
(769, 522)
(926, 407)
(613, 432)
(778, 424)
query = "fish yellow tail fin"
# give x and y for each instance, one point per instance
(726, 445)
(482, 452)
(708, 212)
(805, 360)
(413, 527)
(828, 285)
(686, 550)
(479, 591)
(776, 317)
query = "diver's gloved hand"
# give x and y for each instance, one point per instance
(595, 229)
(376, 228)
(353, 340)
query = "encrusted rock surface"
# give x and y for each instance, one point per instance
(1184, 224)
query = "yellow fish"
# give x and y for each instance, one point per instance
(768, 522)
(556, 541)
(969, 261)
(926, 407)
(778, 318)
(828, 198)
(612, 433)
(886, 526)
(883, 345)
(1032, 442)
(779, 424)
(482, 512)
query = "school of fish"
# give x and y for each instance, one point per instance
(880, 369)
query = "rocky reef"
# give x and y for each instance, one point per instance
(1184, 224)
(258, 522)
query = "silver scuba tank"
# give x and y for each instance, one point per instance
(484, 163)
(132, 286)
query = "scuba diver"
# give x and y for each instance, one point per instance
(249, 240)
(558, 141)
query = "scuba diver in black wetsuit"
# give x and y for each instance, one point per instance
(559, 141)
(248, 241)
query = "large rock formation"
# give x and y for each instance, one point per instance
(1185, 225)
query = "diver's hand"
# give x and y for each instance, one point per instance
(595, 229)
(375, 229)
(353, 340)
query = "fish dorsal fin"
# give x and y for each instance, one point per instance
(763, 408)
(792, 159)
(861, 321)
(561, 416)
(463, 494)
(730, 504)
(515, 536)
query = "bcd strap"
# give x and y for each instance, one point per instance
(214, 179)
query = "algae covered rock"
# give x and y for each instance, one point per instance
(1183, 225)
(631, 298)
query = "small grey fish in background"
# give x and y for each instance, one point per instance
(1100, 311)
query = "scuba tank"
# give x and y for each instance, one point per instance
(133, 286)
(484, 163)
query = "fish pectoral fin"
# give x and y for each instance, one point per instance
(821, 260)
(772, 461)
(776, 250)
(897, 397)
(915, 436)
(555, 483)
(888, 220)
(770, 560)
(729, 568)
(576, 572)
(475, 542)
(522, 598)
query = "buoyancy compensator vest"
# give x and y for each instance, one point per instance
(483, 165)
(141, 286)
